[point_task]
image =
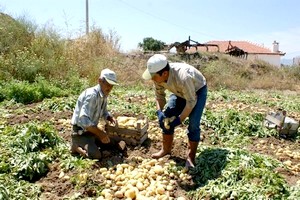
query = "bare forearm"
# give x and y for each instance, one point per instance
(160, 104)
(185, 113)
(99, 133)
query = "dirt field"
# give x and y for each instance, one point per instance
(55, 188)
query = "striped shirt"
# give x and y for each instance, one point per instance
(90, 107)
(184, 81)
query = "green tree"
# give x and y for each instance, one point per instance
(150, 44)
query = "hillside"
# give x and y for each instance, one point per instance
(14, 35)
(224, 71)
(47, 54)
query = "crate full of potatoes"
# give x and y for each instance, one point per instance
(132, 130)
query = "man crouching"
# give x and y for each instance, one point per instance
(91, 106)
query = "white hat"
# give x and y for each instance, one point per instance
(110, 76)
(155, 63)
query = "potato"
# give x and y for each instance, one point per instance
(158, 169)
(105, 192)
(131, 193)
(112, 176)
(170, 187)
(61, 174)
(114, 188)
(288, 163)
(160, 190)
(140, 186)
(119, 194)
(132, 182)
(167, 122)
(101, 170)
(108, 196)
(163, 197)
(119, 183)
(119, 172)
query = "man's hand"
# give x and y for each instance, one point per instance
(161, 116)
(82, 152)
(78, 149)
(99, 133)
(111, 120)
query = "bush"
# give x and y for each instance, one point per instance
(14, 34)
(24, 92)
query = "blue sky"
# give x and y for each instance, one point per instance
(256, 21)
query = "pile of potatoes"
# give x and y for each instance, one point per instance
(155, 132)
(130, 122)
(282, 153)
(295, 155)
(142, 179)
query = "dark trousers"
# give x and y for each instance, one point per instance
(176, 105)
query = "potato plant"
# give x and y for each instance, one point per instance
(225, 168)
(27, 149)
(237, 174)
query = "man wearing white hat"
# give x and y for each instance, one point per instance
(188, 98)
(90, 107)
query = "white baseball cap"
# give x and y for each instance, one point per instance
(155, 63)
(109, 76)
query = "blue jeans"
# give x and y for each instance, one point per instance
(176, 105)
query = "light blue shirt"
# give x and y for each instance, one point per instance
(90, 107)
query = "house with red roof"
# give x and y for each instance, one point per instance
(253, 51)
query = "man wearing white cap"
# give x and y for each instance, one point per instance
(188, 98)
(90, 107)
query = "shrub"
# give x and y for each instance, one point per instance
(24, 92)
(14, 34)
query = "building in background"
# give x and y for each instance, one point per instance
(254, 51)
(296, 61)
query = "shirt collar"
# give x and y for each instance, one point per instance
(170, 77)
(100, 90)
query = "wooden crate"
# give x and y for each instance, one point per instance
(132, 137)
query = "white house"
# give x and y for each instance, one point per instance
(253, 51)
